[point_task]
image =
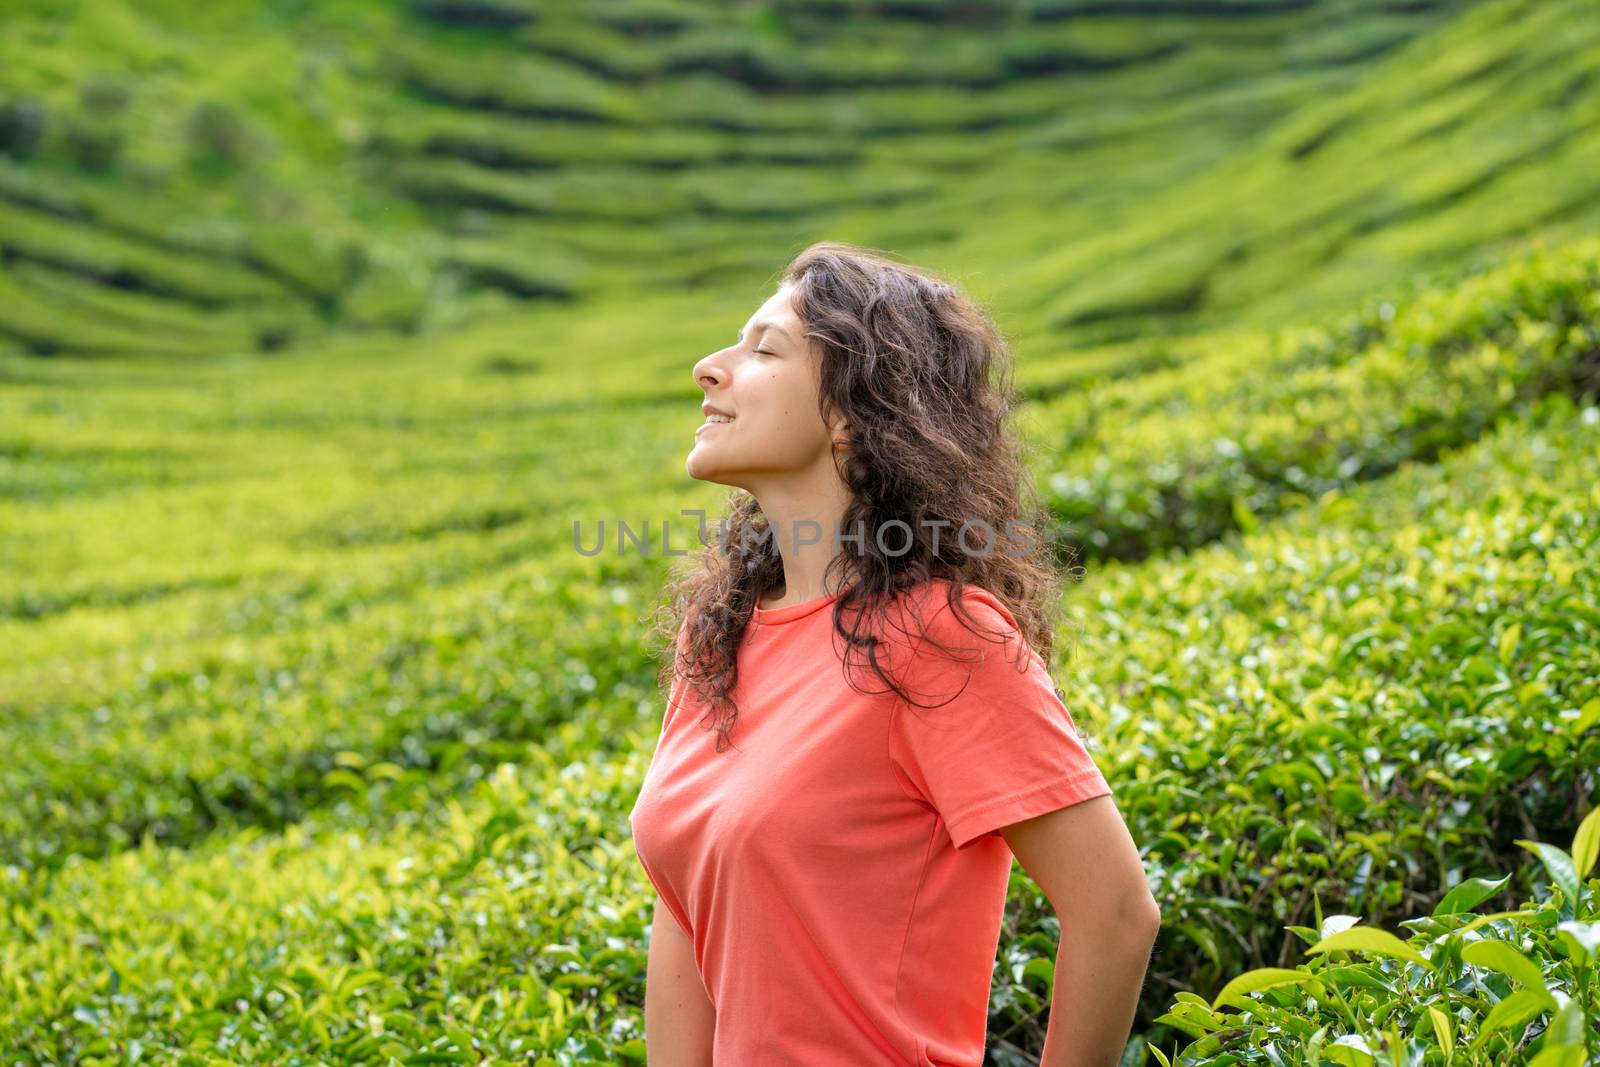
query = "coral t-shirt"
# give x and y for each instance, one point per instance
(838, 868)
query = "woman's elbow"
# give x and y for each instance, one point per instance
(1147, 915)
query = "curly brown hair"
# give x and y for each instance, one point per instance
(923, 379)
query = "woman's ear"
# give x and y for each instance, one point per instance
(839, 433)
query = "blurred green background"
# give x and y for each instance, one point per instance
(320, 324)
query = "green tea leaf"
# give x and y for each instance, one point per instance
(1501, 956)
(1559, 864)
(1255, 981)
(1515, 1010)
(1586, 844)
(1442, 1029)
(1371, 941)
(1469, 894)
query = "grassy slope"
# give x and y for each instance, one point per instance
(515, 914)
(396, 170)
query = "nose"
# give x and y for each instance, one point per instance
(708, 373)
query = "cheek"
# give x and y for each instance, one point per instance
(778, 411)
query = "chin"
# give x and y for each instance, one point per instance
(698, 469)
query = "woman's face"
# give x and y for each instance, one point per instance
(767, 381)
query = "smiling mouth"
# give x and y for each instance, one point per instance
(713, 422)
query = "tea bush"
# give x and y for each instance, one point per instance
(1220, 444)
(1511, 986)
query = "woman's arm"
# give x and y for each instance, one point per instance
(1098, 978)
(1085, 861)
(679, 1019)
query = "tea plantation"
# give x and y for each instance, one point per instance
(322, 325)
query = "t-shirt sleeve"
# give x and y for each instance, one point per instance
(997, 745)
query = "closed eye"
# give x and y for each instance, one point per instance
(764, 352)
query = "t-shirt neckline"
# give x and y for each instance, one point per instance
(791, 612)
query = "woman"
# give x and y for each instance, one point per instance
(866, 636)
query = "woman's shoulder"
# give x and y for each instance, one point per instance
(949, 620)
(935, 599)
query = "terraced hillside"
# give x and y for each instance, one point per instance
(319, 733)
(409, 167)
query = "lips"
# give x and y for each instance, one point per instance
(714, 416)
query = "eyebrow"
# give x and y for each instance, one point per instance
(767, 326)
